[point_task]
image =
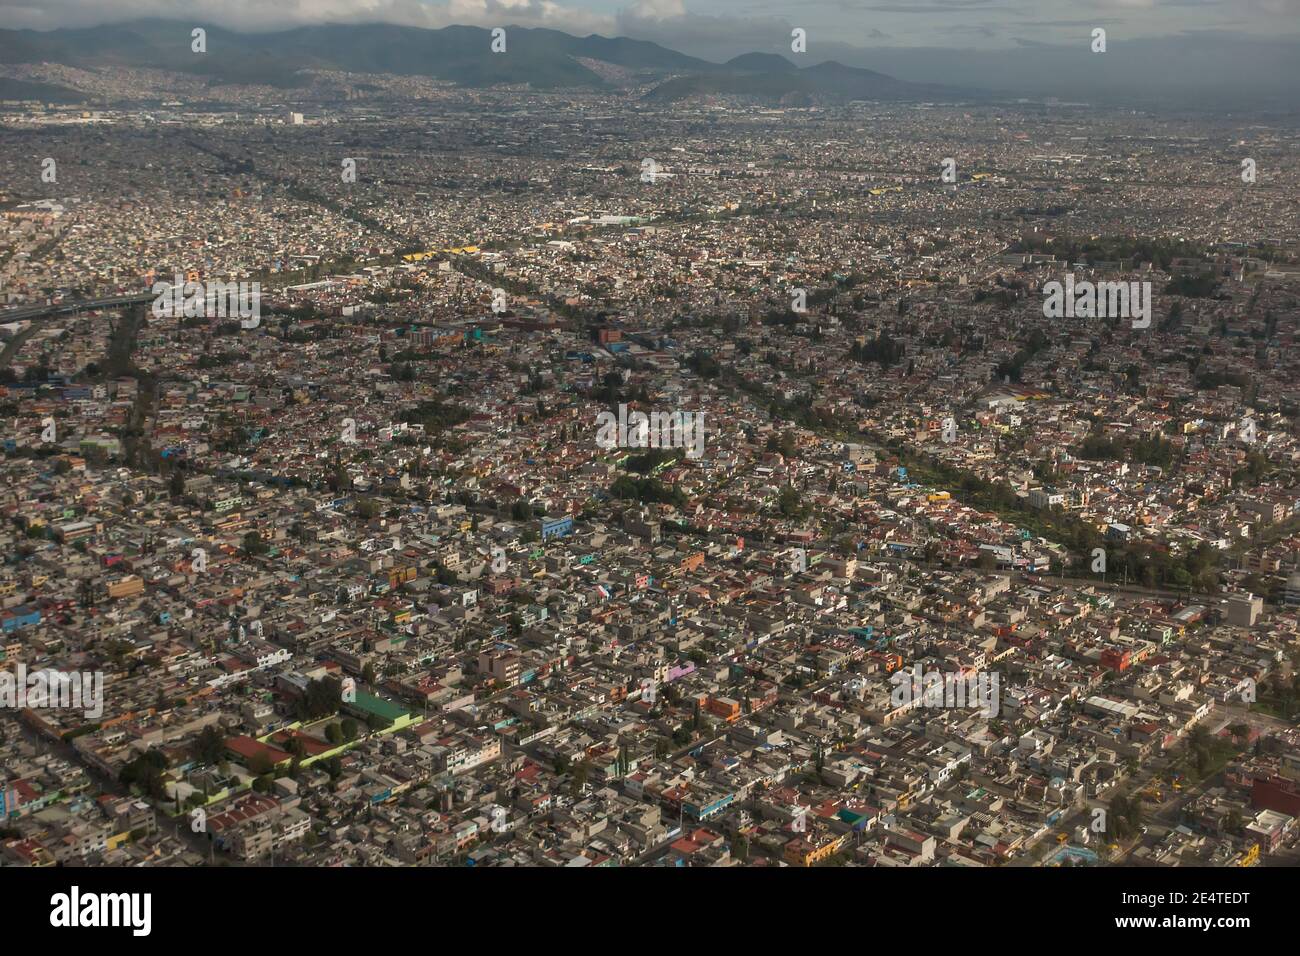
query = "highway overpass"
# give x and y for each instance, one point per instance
(29, 312)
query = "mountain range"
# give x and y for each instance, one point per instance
(539, 58)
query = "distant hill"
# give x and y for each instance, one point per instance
(463, 55)
(41, 92)
(543, 59)
(756, 76)
(760, 63)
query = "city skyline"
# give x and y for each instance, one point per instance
(503, 448)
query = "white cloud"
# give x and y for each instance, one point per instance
(715, 29)
(657, 9)
(260, 15)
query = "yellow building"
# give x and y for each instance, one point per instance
(803, 852)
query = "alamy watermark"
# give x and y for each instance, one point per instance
(77, 909)
(53, 689)
(946, 689)
(1086, 300)
(654, 430)
(213, 299)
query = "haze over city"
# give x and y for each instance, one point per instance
(1190, 53)
(659, 435)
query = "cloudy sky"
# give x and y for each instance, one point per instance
(697, 25)
(1212, 53)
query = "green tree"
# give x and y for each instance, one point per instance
(254, 546)
(740, 848)
(579, 779)
(210, 745)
